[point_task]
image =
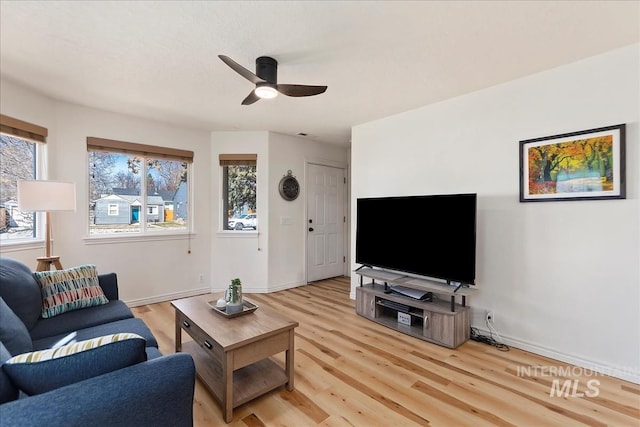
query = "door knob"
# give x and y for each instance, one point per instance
(310, 229)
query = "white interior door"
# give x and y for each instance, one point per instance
(325, 222)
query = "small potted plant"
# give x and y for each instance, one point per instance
(234, 296)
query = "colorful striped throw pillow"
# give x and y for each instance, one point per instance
(70, 289)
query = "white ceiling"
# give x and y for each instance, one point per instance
(159, 59)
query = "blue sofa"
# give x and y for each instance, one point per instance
(153, 390)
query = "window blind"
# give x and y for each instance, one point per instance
(22, 129)
(238, 159)
(101, 144)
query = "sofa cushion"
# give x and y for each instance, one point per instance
(153, 353)
(8, 391)
(158, 392)
(70, 289)
(13, 333)
(40, 371)
(133, 325)
(109, 284)
(81, 319)
(20, 291)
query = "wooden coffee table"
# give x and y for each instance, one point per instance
(232, 355)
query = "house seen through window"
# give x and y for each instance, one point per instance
(137, 189)
(239, 192)
(20, 144)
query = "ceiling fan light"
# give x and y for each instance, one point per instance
(266, 92)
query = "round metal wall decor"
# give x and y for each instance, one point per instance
(289, 187)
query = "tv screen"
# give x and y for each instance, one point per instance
(432, 236)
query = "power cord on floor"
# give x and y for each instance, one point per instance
(497, 343)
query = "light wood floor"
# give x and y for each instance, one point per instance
(350, 371)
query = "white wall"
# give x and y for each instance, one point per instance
(273, 258)
(561, 277)
(240, 254)
(148, 270)
(151, 270)
(287, 242)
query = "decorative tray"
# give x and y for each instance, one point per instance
(247, 307)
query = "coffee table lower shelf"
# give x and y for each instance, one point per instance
(249, 382)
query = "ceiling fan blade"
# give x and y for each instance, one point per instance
(241, 70)
(300, 90)
(251, 98)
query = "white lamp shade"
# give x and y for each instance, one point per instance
(46, 196)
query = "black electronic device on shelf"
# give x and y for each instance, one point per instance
(395, 305)
(412, 293)
(431, 235)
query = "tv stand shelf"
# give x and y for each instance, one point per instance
(390, 278)
(441, 321)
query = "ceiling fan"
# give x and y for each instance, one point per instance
(266, 80)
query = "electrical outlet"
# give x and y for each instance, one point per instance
(201, 278)
(489, 317)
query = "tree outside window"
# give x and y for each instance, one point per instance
(239, 189)
(17, 162)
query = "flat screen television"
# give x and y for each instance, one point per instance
(431, 235)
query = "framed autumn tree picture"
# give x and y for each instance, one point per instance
(589, 164)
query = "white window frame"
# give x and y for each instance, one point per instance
(144, 233)
(227, 160)
(37, 135)
(113, 209)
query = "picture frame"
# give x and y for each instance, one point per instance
(583, 165)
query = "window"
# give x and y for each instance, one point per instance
(239, 191)
(19, 148)
(135, 188)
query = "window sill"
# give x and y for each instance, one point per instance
(237, 234)
(107, 239)
(16, 246)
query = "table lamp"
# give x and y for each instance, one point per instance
(47, 196)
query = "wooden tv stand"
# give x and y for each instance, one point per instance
(443, 321)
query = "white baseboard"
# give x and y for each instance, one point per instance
(276, 288)
(167, 297)
(200, 291)
(627, 373)
(283, 286)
